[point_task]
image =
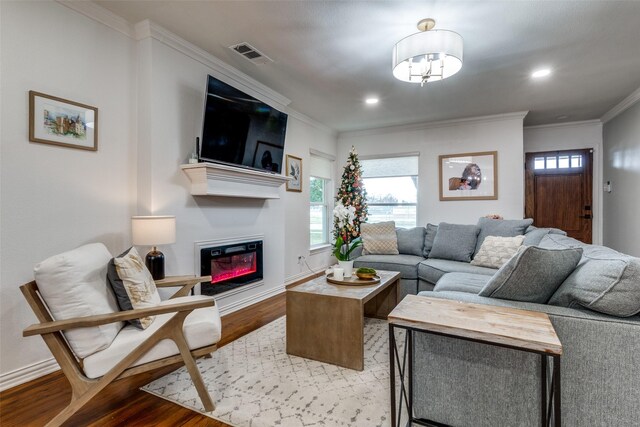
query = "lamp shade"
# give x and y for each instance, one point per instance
(153, 230)
(440, 50)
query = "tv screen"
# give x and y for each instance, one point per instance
(241, 130)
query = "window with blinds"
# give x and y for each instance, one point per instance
(392, 189)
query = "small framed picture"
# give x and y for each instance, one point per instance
(469, 176)
(294, 171)
(58, 121)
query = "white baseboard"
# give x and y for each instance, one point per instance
(28, 373)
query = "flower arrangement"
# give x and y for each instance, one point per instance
(344, 217)
(494, 216)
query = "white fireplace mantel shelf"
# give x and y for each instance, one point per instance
(213, 179)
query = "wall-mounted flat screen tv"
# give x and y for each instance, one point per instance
(241, 130)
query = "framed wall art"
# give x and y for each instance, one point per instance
(294, 171)
(61, 122)
(469, 176)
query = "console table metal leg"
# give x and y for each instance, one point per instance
(543, 388)
(557, 418)
(410, 375)
(392, 373)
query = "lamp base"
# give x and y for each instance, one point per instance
(155, 263)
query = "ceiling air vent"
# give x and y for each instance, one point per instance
(251, 53)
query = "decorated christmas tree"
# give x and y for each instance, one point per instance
(351, 193)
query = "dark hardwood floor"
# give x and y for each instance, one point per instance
(122, 403)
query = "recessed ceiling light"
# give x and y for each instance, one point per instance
(371, 101)
(543, 72)
(562, 117)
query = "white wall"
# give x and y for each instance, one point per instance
(622, 169)
(496, 133)
(569, 136)
(55, 199)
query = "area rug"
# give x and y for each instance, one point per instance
(255, 383)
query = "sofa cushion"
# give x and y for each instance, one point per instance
(496, 251)
(462, 282)
(133, 285)
(74, 284)
(410, 240)
(431, 270)
(429, 237)
(379, 238)
(534, 235)
(201, 328)
(405, 264)
(533, 274)
(455, 242)
(605, 280)
(501, 227)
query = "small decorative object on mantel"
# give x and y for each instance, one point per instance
(294, 170)
(469, 176)
(61, 122)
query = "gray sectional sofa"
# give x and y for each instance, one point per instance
(596, 314)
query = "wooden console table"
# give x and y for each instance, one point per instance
(523, 330)
(325, 322)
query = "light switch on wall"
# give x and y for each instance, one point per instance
(607, 187)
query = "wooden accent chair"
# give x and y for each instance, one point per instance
(140, 350)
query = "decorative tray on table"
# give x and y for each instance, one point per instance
(353, 280)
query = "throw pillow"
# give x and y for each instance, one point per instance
(133, 285)
(379, 238)
(534, 235)
(429, 236)
(496, 251)
(454, 242)
(533, 274)
(410, 240)
(501, 227)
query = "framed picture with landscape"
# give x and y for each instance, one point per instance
(469, 176)
(58, 121)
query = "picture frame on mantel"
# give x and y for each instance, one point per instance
(469, 176)
(58, 121)
(294, 171)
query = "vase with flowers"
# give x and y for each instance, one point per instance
(345, 243)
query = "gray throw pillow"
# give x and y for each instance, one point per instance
(606, 280)
(533, 274)
(454, 242)
(501, 228)
(410, 240)
(534, 235)
(429, 237)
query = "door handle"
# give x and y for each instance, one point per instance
(587, 216)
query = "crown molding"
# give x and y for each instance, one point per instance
(438, 124)
(149, 29)
(312, 122)
(595, 122)
(100, 14)
(622, 106)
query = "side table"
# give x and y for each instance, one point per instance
(523, 330)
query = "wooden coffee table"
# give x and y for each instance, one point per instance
(325, 322)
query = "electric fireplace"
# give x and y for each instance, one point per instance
(230, 266)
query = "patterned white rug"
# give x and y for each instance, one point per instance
(255, 383)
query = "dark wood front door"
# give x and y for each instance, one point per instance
(558, 191)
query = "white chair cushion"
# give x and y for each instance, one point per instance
(201, 328)
(74, 284)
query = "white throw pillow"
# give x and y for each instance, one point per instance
(74, 284)
(379, 238)
(496, 251)
(136, 287)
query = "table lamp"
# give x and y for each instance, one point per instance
(153, 231)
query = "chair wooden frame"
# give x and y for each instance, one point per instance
(83, 389)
